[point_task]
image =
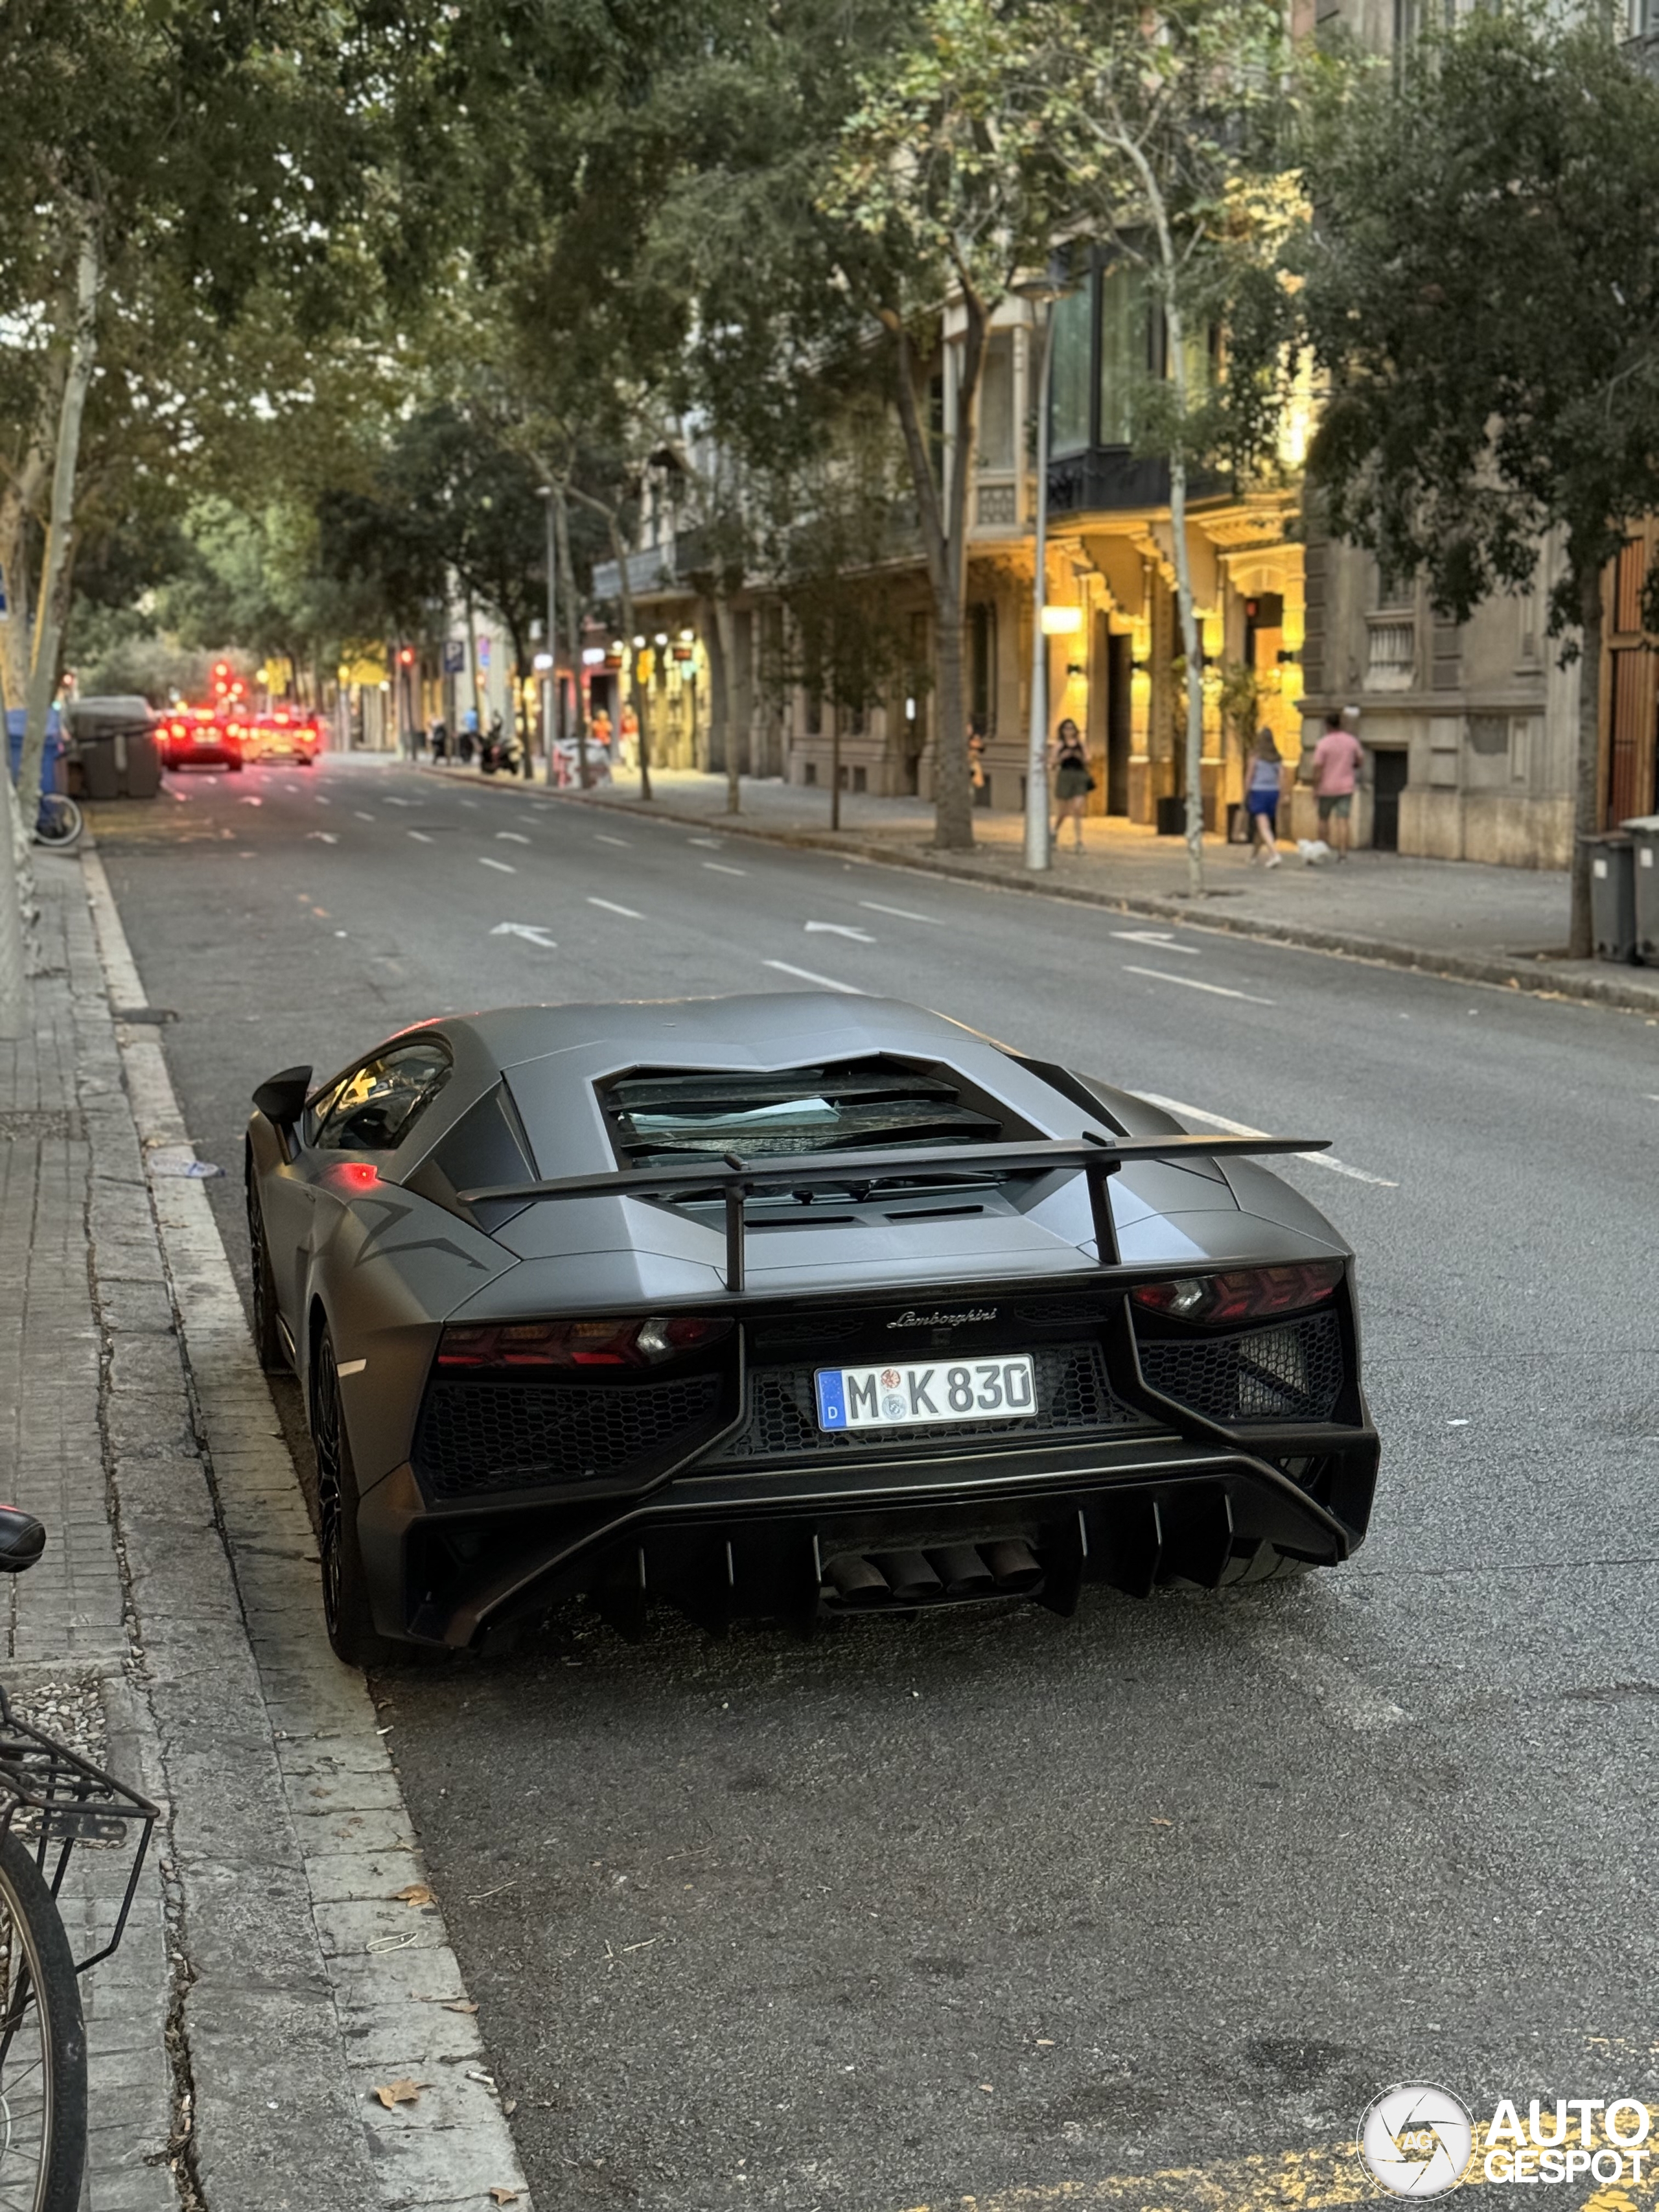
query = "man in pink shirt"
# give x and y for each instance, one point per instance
(1338, 758)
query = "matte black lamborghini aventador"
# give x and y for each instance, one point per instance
(789, 1304)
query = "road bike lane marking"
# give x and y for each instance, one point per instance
(1244, 1129)
(1192, 983)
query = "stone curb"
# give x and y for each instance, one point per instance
(288, 1843)
(1453, 967)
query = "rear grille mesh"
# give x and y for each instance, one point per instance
(478, 1438)
(1072, 1394)
(1290, 1373)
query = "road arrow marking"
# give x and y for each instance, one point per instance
(610, 907)
(531, 931)
(840, 929)
(1160, 938)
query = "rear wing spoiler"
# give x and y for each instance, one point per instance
(735, 1179)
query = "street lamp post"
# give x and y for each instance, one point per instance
(550, 697)
(1043, 292)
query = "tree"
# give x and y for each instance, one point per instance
(1482, 294)
(1171, 122)
(945, 188)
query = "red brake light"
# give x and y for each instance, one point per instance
(601, 1343)
(1244, 1294)
(351, 1176)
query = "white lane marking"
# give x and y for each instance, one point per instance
(506, 867)
(361, 816)
(1243, 1129)
(350, 1366)
(712, 843)
(254, 802)
(323, 802)
(469, 802)
(610, 907)
(420, 836)
(902, 912)
(390, 801)
(173, 792)
(1216, 990)
(323, 836)
(721, 868)
(599, 838)
(531, 931)
(825, 982)
(1160, 938)
(511, 836)
(840, 929)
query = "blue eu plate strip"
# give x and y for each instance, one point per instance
(832, 1400)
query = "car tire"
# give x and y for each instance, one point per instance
(347, 1614)
(267, 1336)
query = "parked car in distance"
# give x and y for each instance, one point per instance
(284, 734)
(200, 736)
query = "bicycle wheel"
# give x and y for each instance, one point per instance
(59, 820)
(43, 2046)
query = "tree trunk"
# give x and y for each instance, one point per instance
(60, 520)
(573, 623)
(472, 671)
(1192, 648)
(1587, 781)
(627, 591)
(726, 629)
(945, 542)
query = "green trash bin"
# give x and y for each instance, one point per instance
(1613, 896)
(1643, 834)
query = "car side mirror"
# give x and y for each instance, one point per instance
(282, 1098)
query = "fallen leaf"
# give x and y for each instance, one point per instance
(461, 2004)
(391, 2094)
(987, 2088)
(416, 1893)
(509, 2106)
(1157, 1823)
(504, 2196)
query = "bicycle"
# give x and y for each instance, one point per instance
(59, 822)
(51, 1800)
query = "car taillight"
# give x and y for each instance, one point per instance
(1243, 1294)
(605, 1343)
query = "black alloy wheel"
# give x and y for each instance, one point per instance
(346, 1612)
(267, 1334)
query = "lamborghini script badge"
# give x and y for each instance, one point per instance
(911, 1319)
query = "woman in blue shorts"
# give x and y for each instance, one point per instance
(1261, 784)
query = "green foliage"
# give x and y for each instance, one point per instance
(1482, 293)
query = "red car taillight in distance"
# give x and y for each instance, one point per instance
(1243, 1294)
(519, 1345)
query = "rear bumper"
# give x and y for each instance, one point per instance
(731, 1540)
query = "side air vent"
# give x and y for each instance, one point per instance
(676, 1116)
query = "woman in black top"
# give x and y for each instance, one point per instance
(1073, 781)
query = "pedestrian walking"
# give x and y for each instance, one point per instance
(1263, 785)
(440, 739)
(1073, 781)
(1338, 758)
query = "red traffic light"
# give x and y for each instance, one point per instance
(407, 656)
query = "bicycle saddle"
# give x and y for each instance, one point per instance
(23, 1539)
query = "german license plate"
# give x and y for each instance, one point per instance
(906, 1394)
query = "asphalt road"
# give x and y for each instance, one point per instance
(978, 1905)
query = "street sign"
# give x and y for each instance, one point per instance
(483, 654)
(454, 656)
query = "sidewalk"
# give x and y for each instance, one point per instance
(270, 1978)
(1462, 918)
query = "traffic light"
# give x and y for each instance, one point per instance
(407, 656)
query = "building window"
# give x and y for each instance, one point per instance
(1070, 370)
(982, 649)
(996, 403)
(810, 773)
(1391, 662)
(1123, 342)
